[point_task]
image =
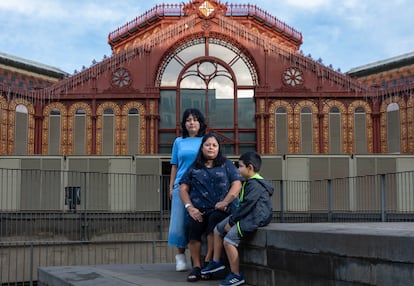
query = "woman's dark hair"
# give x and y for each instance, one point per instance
(200, 160)
(199, 116)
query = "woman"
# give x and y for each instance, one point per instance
(184, 151)
(207, 189)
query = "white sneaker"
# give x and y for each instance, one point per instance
(181, 262)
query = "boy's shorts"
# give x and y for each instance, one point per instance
(232, 236)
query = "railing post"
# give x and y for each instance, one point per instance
(84, 225)
(31, 264)
(329, 200)
(282, 211)
(161, 218)
(383, 199)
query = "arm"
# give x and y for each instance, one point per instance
(232, 194)
(235, 186)
(252, 195)
(172, 178)
(185, 198)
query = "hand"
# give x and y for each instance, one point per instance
(221, 206)
(170, 194)
(195, 214)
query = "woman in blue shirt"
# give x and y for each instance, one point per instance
(207, 190)
(184, 152)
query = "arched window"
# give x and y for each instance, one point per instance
(281, 131)
(133, 131)
(108, 132)
(79, 134)
(335, 130)
(360, 131)
(217, 78)
(54, 132)
(21, 130)
(393, 128)
(306, 131)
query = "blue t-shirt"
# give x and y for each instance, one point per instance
(208, 186)
(184, 152)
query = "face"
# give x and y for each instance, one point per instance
(192, 125)
(210, 148)
(244, 170)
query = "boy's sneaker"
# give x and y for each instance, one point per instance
(233, 280)
(212, 266)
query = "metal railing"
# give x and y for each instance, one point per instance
(54, 218)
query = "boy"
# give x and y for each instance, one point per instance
(253, 211)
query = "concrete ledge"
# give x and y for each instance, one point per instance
(118, 275)
(330, 254)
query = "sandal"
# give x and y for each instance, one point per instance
(194, 275)
(206, 276)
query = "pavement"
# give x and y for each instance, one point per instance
(118, 275)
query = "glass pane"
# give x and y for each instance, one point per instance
(80, 111)
(133, 111)
(171, 71)
(193, 98)
(55, 111)
(170, 75)
(193, 82)
(306, 110)
(162, 149)
(280, 110)
(246, 148)
(221, 106)
(231, 55)
(221, 52)
(167, 108)
(334, 109)
(191, 52)
(108, 111)
(166, 141)
(228, 149)
(247, 137)
(242, 73)
(359, 109)
(167, 137)
(246, 111)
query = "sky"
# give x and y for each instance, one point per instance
(71, 34)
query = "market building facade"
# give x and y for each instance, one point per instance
(242, 67)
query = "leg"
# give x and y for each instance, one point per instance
(195, 249)
(180, 250)
(215, 264)
(213, 219)
(218, 245)
(233, 257)
(210, 247)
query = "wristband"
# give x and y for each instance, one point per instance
(187, 205)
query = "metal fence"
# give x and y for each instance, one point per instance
(54, 218)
